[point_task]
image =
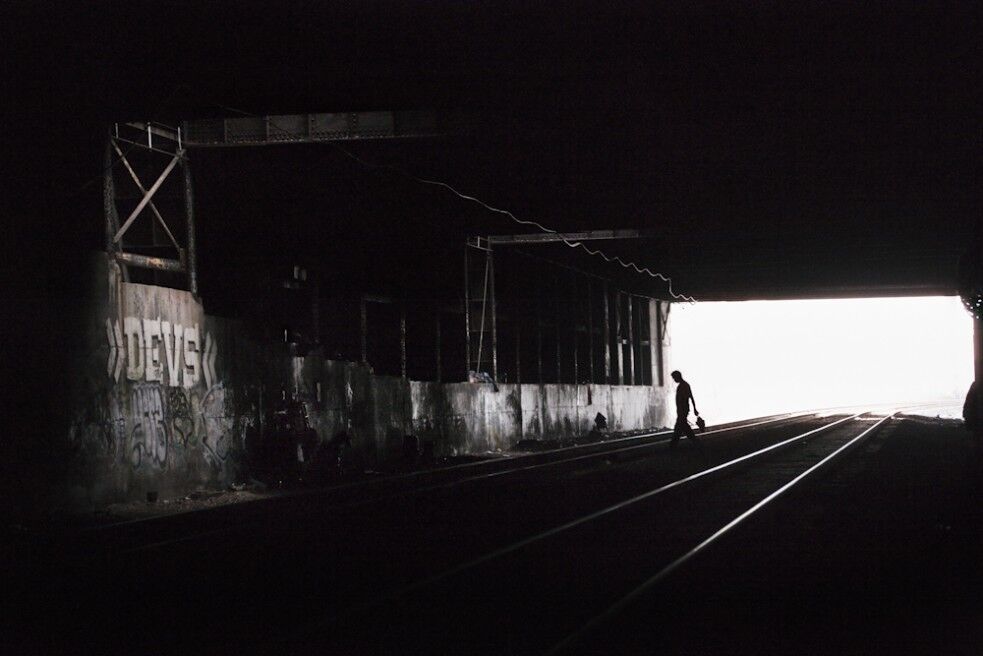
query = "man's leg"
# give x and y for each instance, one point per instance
(678, 429)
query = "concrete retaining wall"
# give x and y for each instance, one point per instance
(464, 418)
(166, 398)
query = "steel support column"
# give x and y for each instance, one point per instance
(109, 197)
(191, 256)
(655, 331)
(467, 313)
(494, 318)
(518, 353)
(364, 328)
(607, 335)
(556, 319)
(618, 338)
(631, 378)
(437, 327)
(576, 319)
(539, 334)
(402, 339)
(590, 329)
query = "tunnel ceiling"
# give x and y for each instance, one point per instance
(766, 153)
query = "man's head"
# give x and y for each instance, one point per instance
(676, 376)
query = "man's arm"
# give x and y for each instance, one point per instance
(697, 412)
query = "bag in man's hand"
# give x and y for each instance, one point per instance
(702, 425)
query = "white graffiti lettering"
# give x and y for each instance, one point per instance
(192, 365)
(173, 337)
(151, 359)
(133, 328)
(149, 438)
(140, 343)
(114, 335)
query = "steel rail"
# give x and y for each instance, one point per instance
(439, 486)
(515, 546)
(629, 598)
(598, 446)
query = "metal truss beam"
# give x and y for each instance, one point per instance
(306, 128)
(550, 237)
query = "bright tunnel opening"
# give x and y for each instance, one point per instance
(755, 358)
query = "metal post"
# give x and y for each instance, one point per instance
(364, 325)
(316, 309)
(556, 320)
(189, 208)
(539, 336)
(640, 356)
(576, 319)
(467, 315)
(437, 326)
(402, 339)
(618, 339)
(494, 323)
(590, 330)
(631, 378)
(607, 335)
(518, 353)
(655, 339)
(109, 197)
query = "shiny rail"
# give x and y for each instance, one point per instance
(598, 454)
(623, 603)
(398, 593)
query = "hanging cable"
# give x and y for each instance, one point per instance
(615, 259)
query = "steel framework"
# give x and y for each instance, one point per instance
(174, 142)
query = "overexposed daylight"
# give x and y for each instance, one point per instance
(750, 358)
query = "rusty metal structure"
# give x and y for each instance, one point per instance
(173, 144)
(623, 342)
(172, 253)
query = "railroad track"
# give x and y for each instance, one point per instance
(842, 434)
(629, 483)
(155, 532)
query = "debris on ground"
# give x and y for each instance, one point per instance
(197, 500)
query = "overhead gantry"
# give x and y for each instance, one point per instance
(172, 143)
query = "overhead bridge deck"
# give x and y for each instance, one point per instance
(810, 532)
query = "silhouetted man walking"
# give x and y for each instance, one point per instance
(684, 394)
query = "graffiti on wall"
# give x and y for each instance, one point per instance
(159, 417)
(182, 424)
(99, 427)
(218, 425)
(152, 350)
(149, 437)
(153, 427)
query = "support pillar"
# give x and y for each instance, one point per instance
(467, 314)
(437, 327)
(632, 377)
(576, 319)
(364, 328)
(607, 336)
(590, 330)
(402, 339)
(655, 342)
(539, 335)
(189, 209)
(618, 339)
(556, 320)
(494, 319)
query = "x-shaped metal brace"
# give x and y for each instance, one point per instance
(148, 195)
